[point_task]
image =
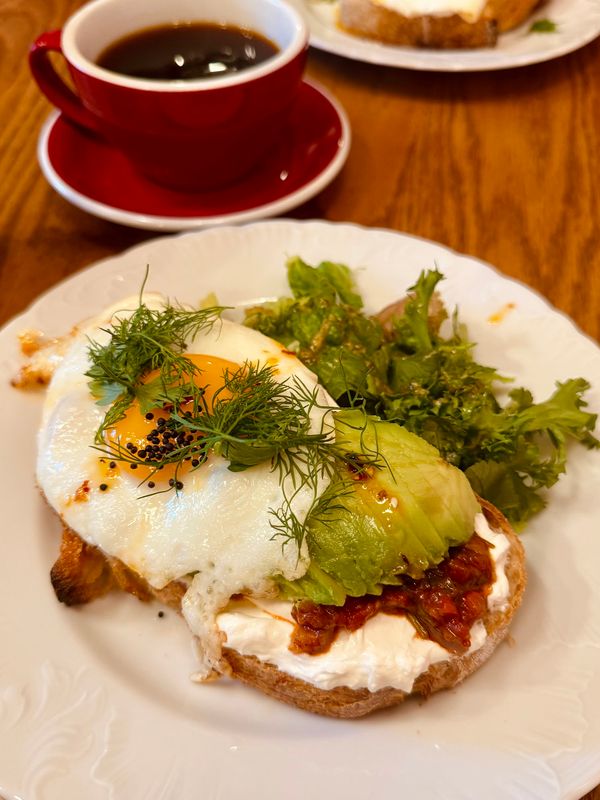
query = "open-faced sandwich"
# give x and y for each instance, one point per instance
(331, 558)
(434, 23)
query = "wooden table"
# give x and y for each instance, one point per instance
(504, 166)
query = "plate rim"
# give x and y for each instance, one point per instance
(166, 235)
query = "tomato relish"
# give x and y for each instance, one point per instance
(443, 605)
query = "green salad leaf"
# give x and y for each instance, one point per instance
(323, 324)
(401, 367)
(543, 26)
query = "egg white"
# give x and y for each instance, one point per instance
(217, 529)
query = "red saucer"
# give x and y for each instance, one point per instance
(95, 177)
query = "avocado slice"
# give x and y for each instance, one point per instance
(397, 513)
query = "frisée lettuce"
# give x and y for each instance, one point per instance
(400, 367)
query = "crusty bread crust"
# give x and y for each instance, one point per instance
(373, 21)
(82, 572)
(346, 703)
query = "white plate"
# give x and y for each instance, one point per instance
(95, 703)
(578, 23)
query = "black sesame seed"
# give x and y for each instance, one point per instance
(133, 466)
(171, 481)
(142, 453)
(112, 464)
(161, 614)
(151, 484)
(179, 485)
(149, 415)
(103, 487)
(195, 462)
(160, 422)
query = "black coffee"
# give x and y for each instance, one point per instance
(185, 52)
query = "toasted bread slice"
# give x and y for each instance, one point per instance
(347, 703)
(374, 21)
(83, 572)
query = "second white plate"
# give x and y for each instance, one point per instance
(578, 22)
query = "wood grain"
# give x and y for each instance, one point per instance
(503, 166)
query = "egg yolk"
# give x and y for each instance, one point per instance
(142, 433)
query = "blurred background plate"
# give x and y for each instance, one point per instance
(578, 22)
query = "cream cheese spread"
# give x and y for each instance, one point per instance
(469, 10)
(385, 652)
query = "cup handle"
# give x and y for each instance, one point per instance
(52, 85)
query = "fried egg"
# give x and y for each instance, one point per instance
(216, 531)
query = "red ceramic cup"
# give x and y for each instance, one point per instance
(193, 134)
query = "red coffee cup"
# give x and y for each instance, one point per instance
(185, 134)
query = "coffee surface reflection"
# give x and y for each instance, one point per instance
(186, 52)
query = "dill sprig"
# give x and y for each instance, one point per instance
(146, 340)
(252, 417)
